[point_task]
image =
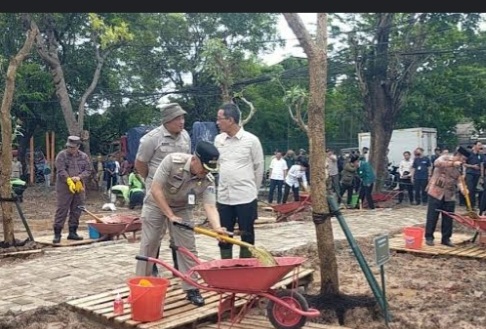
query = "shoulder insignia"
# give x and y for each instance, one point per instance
(178, 159)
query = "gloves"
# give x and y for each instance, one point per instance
(78, 186)
(74, 187)
(71, 185)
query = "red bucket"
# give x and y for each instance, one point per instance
(147, 303)
(414, 237)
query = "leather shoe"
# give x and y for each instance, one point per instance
(448, 243)
(429, 242)
(195, 297)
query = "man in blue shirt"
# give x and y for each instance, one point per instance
(421, 170)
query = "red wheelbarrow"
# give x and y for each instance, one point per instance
(286, 308)
(478, 224)
(285, 210)
(114, 225)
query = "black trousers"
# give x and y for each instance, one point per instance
(243, 214)
(405, 184)
(275, 183)
(295, 191)
(471, 183)
(433, 217)
(419, 190)
(365, 193)
(349, 189)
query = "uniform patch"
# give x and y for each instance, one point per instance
(178, 159)
(211, 189)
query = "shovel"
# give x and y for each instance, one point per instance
(263, 255)
(98, 219)
(470, 213)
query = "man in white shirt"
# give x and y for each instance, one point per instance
(405, 170)
(278, 171)
(295, 173)
(333, 171)
(240, 177)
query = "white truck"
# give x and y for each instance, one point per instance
(405, 140)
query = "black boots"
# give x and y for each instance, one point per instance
(194, 296)
(57, 235)
(73, 235)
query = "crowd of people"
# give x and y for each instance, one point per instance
(225, 177)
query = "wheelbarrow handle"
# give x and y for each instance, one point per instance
(184, 225)
(143, 258)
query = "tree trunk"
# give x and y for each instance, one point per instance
(6, 125)
(49, 53)
(317, 57)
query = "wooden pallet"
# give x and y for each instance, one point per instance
(47, 240)
(260, 322)
(464, 247)
(177, 310)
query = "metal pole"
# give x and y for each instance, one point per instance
(375, 287)
(385, 304)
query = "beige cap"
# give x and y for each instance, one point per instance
(73, 141)
(171, 111)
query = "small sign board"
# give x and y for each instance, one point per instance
(382, 250)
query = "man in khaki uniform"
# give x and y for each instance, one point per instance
(154, 146)
(179, 183)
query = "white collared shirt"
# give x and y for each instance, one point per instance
(278, 169)
(294, 174)
(241, 167)
(405, 165)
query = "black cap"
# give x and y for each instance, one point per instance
(463, 151)
(208, 154)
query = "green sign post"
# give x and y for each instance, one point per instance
(382, 256)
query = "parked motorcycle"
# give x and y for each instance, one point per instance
(393, 178)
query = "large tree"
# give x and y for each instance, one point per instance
(389, 49)
(104, 38)
(6, 125)
(316, 51)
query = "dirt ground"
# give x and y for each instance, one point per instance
(422, 292)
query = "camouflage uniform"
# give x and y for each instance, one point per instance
(68, 165)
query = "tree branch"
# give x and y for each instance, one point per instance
(297, 26)
(252, 111)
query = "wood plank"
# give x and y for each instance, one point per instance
(183, 314)
(47, 240)
(261, 322)
(463, 247)
(22, 253)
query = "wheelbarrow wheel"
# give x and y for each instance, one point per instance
(283, 317)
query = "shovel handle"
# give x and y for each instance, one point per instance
(98, 219)
(213, 234)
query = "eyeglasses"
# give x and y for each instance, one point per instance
(221, 118)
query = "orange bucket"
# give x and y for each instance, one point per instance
(147, 302)
(414, 237)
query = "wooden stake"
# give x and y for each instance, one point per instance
(31, 161)
(48, 149)
(53, 156)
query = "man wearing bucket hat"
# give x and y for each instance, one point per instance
(73, 168)
(154, 146)
(442, 194)
(179, 183)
